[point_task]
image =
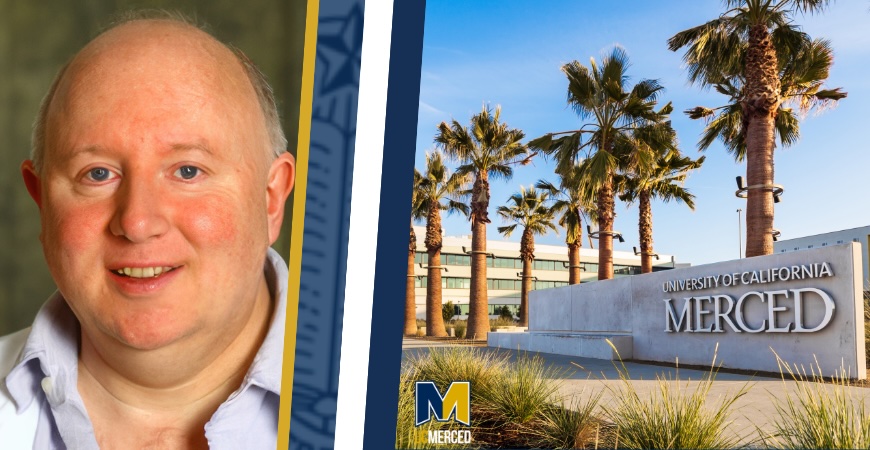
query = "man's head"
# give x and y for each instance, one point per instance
(160, 176)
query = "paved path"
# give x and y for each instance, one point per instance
(586, 376)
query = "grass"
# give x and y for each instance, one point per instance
(407, 434)
(460, 326)
(819, 415)
(513, 405)
(445, 365)
(501, 322)
(521, 392)
(516, 405)
(567, 426)
(867, 325)
(677, 416)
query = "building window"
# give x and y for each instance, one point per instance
(421, 257)
(420, 282)
(840, 241)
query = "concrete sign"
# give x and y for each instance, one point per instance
(804, 305)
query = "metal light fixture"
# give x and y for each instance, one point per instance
(776, 233)
(599, 233)
(433, 267)
(566, 265)
(743, 190)
(637, 253)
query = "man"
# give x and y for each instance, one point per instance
(160, 173)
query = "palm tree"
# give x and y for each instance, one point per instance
(755, 54)
(574, 205)
(488, 149)
(438, 191)
(662, 181)
(417, 213)
(529, 210)
(600, 94)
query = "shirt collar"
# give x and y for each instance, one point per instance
(265, 371)
(53, 345)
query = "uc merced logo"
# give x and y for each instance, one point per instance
(453, 406)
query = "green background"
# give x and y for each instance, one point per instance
(37, 38)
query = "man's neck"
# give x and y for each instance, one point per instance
(163, 398)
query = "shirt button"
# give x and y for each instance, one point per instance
(47, 385)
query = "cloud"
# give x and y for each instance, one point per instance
(429, 109)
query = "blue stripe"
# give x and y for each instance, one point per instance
(403, 95)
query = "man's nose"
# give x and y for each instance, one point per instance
(139, 211)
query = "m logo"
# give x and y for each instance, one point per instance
(456, 402)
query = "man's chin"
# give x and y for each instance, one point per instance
(145, 336)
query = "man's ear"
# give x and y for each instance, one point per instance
(31, 181)
(282, 175)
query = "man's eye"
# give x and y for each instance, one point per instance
(99, 174)
(187, 172)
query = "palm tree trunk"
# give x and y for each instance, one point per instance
(574, 261)
(410, 293)
(524, 294)
(478, 304)
(527, 254)
(605, 226)
(434, 318)
(759, 109)
(644, 226)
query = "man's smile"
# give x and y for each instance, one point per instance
(143, 272)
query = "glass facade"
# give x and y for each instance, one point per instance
(493, 307)
(491, 283)
(449, 259)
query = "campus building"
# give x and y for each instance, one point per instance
(504, 270)
(860, 235)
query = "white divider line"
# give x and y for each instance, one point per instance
(362, 242)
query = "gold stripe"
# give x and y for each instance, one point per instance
(295, 263)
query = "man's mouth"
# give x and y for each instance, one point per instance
(143, 272)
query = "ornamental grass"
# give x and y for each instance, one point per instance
(819, 414)
(677, 416)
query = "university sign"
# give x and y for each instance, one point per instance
(806, 306)
(717, 313)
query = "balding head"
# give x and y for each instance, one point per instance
(156, 176)
(160, 30)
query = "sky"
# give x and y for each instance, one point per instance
(509, 53)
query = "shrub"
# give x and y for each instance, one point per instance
(448, 311)
(459, 327)
(568, 426)
(510, 405)
(505, 313)
(448, 364)
(676, 417)
(501, 322)
(818, 415)
(523, 390)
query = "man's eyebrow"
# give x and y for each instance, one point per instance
(90, 149)
(195, 147)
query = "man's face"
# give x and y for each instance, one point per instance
(156, 215)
